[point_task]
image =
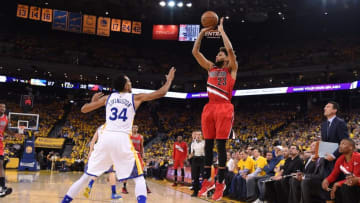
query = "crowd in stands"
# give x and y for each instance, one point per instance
(123, 55)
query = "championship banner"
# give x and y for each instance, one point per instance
(115, 25)
(75, 22)
(136, 27)
(45, 142)
(103, 28)
(60, 20)
(126, 26)
(35, 13)
(22, 11)
(165, 32)
(89, 24)
(46, 15)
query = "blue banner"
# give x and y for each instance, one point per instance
(60, 20)
(75, 22)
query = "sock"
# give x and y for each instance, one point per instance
(182, 175)
(91, 183)
(207, 173)
(175, 175)
(141, 199)
(78, 186)
(113, 189)
(221, 175)
(140, 187)
(2, 182)
(66, 199)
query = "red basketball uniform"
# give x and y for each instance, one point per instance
(179, 154)
(3, 124)
(218, 115)
(137, 140)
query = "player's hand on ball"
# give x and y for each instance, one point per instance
(206, 29)
(170, 76)
(97, 96)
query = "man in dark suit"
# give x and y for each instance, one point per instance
(333, 130)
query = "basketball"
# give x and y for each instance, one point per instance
(209, 19)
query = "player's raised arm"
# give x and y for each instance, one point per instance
(139, 98)
(233, 65)
(98, 100)
(200, 58)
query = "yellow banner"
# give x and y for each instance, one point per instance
(103, 26)
(136, 27)
(45, 142)
(89, 24)
(35, 13)
(46, 15)
(22, 11)
(115, 25)
(126, 26)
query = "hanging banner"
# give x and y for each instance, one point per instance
(115, 25)
(22, 11)
(126, 26)
(89, 24)
(136, 27)
(46, 15)
(165, 32)
(60, 20)
(75, 22)
(103, 26)
(35, 13)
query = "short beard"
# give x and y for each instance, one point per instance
(219, 64)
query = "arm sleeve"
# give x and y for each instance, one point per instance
(256, 172)
(342, 132)
(335, 173)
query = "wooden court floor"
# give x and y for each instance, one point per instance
(49, 187)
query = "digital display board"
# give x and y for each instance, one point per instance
(38, 82)
(188, 32)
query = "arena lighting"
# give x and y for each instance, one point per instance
(171, 3)
(107, 13)
(227, 17)
(243, 21)
(279, 13)
(162, 3)
(188, 4)
(180, 4)
(325, 13)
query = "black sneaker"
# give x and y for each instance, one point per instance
(5, 191)
(194, 194)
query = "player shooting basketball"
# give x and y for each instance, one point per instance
(217, 116)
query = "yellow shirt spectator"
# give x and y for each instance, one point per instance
(277, 167)
(248, 164)
(261, 162)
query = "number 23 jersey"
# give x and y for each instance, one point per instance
(120, 112)
(220, 85)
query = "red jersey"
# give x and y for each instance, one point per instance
(180, 151)
(137, 140)
(220, 85)
(3, 124)
(353, 166)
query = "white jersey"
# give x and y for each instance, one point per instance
(120, 112)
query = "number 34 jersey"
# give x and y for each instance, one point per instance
(120, 112)
(220, 85)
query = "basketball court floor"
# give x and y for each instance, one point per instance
(50, 187)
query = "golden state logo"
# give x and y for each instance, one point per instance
(29, 149)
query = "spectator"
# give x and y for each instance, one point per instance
(348, 192)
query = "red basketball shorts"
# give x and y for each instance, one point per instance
(217, 120)
(178, 163)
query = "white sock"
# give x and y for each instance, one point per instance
(140, 186)
(78, 186)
